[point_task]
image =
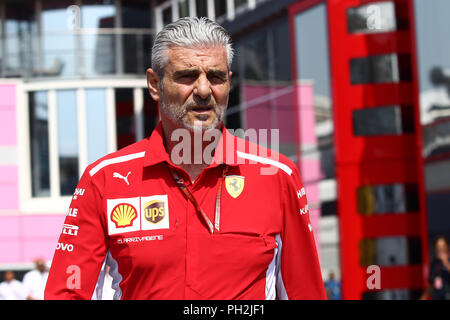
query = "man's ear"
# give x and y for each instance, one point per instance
(153, 84)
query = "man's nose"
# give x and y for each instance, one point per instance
(203, 87)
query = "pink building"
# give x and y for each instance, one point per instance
(49, 133)
(25, 234)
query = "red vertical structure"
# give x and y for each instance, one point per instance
(378, 144)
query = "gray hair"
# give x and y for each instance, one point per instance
(189, 32)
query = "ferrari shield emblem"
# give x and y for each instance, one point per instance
(234, 185)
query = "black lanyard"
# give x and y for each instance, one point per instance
(188, 194)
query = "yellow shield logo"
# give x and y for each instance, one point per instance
(123, 215)
(234, 185)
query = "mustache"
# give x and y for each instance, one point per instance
(200, 103)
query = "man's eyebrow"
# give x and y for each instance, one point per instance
(185, 72)
(217, 73)
(193, 72)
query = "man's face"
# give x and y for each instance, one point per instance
(195, 87)
(441, 247)
(9, 276)
(40, 265)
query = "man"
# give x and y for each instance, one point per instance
(11, 289)
(333, 288)
(439, 272)
(198, 218)
(104, 290)
(35, 280)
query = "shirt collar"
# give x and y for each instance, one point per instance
(225, 151)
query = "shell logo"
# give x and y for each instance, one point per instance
(123, 215)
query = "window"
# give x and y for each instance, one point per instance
(19, 30)
(233, 115)
(386, 68)
(389, 198)
(136, 14)
(437, 138)
(373, 17)
(202, 11)
(261, 95)
(137, 44)
(97, 133)
(166, 11)
(316, 127)
(386, 120)
(166, 16)
(433, 50)
(99, 54)
(39, 144)
(67, 136)
(238, 3)
(55, 59)
(394, 294)
(220, 8)
(315, 106)
(150, 113)
(183, 8)
(390, 251)
(125, 124)
(71, 128)
(95, 40)
(97, 14)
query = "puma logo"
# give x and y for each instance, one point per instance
(118, 175)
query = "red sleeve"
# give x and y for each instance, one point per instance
(81, 248)
(299, 275)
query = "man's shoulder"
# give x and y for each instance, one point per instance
(263, 157)
(16, 282)
(131, 152)
(30, 274)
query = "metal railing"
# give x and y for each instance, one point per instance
(77, 53)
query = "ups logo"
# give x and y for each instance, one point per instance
(154, 211)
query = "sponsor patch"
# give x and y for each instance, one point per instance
(64, 246)
(70, 229)
(304, 210)
(124, 178)
(123, 215)
(155, 212)
(73, 212)
(78, 192)
(301, 193)
(234, 185)
(140, 239)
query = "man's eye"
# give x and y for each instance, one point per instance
(186, 78)
(216, 79)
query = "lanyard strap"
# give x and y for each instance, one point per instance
(188, 194)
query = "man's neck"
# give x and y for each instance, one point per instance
(194, 161)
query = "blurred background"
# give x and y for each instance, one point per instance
(359, 89)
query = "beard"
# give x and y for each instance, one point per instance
(178, 114)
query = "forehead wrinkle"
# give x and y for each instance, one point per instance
(197, 57)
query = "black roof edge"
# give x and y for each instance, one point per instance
(250, 19)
